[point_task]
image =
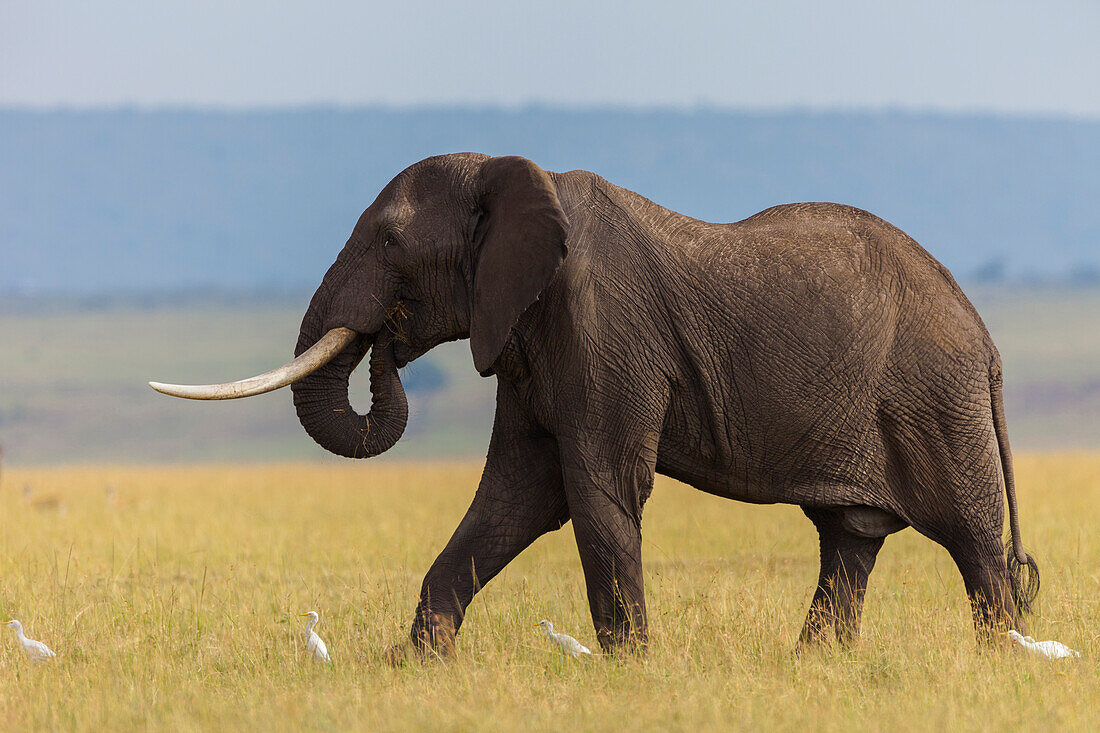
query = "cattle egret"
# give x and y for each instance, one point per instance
(314, 644)
(569, 646)
(1048, 649)
(36, 650)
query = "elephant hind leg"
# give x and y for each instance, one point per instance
(846, 561)
(963, 511)
(981, 560)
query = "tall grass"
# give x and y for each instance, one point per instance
(171, 596)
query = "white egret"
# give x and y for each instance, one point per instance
(1048, 649)
(314, 644)
(36, 650)
(569, 646)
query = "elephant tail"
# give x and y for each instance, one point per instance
(1024, 584)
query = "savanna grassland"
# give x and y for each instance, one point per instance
(171, 596)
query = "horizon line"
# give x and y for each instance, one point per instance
(698, 108)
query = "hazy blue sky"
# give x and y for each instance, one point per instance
(1002, 56)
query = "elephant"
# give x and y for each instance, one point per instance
(811, 354)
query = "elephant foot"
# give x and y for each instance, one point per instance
(434, 638)
(806, 644)
(618, 641)
(816, 634)
(825, 640)
(398, 655)
(992, 632)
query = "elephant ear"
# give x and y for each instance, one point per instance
(519, 243)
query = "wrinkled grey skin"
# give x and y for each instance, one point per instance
(811, 354)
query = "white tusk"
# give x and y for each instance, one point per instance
(321, 353)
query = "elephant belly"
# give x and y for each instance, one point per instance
(777, 456)
(727, 482)
(733, 481)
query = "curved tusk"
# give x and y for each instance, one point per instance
(322, 352)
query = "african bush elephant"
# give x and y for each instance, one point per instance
(811, 354)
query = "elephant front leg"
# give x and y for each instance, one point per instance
(519, 499)
(605, 503)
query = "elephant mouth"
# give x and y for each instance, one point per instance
(404, 353)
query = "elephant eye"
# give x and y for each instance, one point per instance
(388, 240)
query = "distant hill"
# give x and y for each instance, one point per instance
(97, 201)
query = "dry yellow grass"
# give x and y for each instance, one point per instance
(172, 603)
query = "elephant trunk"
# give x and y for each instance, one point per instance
(321, 398)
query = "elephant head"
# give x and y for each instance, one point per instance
(456, 246)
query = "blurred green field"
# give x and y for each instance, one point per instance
(72, 379)
(73, 387)
(171, 595)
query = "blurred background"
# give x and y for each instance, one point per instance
(176, 177)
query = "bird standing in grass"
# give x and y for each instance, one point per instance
(36, 650)
(1048, 649)
(569, 646)
(314, 644)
